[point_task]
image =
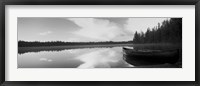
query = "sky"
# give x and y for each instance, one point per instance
(82, 29)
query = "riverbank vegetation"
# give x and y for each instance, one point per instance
(61, 43)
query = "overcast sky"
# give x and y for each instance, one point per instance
(82, 29)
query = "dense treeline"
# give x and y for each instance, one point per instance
(61, 43)
(169, 32)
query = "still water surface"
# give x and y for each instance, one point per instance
(74, 58)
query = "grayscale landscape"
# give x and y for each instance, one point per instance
(101, 42)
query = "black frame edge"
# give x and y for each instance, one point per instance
(98, 2)
(98, 83)
(102, 2)
(197, 41)
(2, 43)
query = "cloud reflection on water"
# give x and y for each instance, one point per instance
(73, 58)
(46, 60)
(102, 58)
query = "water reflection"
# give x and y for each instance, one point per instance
(46, 60)
(74, 58)
(104, 58)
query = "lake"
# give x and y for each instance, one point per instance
(111, 57)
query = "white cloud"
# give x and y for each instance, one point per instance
(45, 33)
(73, 40)
(97, 29)
(141, 24)
(93, 29)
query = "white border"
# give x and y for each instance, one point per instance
(187, 73)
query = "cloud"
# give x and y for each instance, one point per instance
(141, 24)
(105, 29)
(73, 39)
(79, 39)
(97, 29)
(45, 33)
